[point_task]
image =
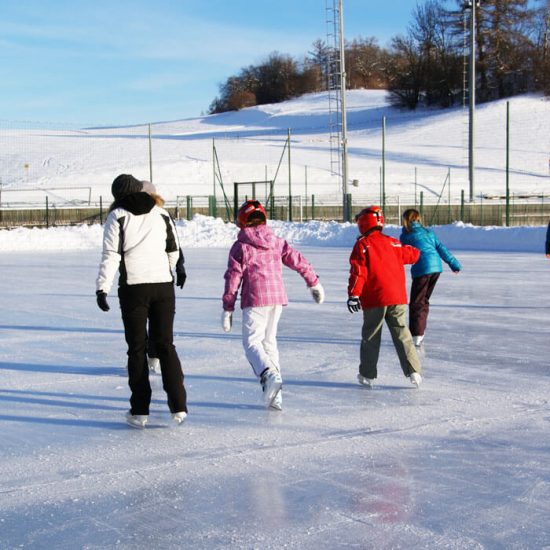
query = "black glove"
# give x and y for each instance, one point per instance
(101, 298)
(354, 305)
(181, 275)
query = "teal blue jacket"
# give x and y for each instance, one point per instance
(432, 251)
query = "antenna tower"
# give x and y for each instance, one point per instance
(333, 87)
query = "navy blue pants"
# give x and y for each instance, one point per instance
(153, 304)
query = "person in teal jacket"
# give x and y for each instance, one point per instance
(425, 272)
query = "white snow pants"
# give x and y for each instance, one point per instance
(260, 337)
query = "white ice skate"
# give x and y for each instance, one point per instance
(136, 420)
(277, 402)
(416, 379)
(417, 340)
(271, 384)
(179, 417)
(369, 382)
(154, 364)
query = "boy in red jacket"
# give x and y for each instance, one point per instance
(377, 285)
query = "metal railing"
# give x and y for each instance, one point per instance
(486, 211)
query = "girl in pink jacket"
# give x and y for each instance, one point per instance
(255, 262)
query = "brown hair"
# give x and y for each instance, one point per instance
(409, 216)
(159, 201)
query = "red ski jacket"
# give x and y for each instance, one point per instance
(377, 274)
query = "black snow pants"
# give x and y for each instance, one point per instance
(419, 305)
(156, 303)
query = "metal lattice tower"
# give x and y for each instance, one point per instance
(465, 60)
(465, 84)
(333, 86)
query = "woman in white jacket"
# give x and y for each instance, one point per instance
(140, 242)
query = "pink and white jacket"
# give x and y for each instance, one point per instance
(256, 260)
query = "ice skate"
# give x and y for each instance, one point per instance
(154, 364)
(277, 402)
(136, 420)
(417, 340)
(369, 382)
(416, 379)
(179, 417)
(271, 384)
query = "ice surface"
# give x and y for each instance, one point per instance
(461, 463)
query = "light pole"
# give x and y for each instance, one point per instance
(471, 6)
(345, 205)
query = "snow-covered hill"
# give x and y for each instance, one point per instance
(420, 146)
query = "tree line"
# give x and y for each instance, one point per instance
(427, 65)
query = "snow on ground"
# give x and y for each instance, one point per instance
(203, 231)
(420, 146)
(461, 463)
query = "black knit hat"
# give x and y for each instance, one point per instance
(125, 184)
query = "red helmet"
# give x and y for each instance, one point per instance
(248, 211)
(370, 218)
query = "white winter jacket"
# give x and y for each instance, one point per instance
(140, 241)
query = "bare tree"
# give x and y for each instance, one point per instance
(365, 64)
(541, 40)
(425, 63)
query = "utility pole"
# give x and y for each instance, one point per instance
(346, 206)
(472, 5)
(507, 164)
(289, 181)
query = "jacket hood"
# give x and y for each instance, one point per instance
(136, 203)
(259, 236)
(415, 227)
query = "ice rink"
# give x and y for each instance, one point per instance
(464, 462)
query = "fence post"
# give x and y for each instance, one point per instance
(422, 203)
(189, 207)
(212, 207)
(415, 184)
(462, 205)
(101, 209)
(449, 220)
(312, 207)
(47, 213)
(398, 209)
(481, 209)
(347, 213)
(290, 208)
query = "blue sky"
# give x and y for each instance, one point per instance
(123, 62)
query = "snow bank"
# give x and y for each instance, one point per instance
(205, 232)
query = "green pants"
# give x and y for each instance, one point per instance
(395, 318)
